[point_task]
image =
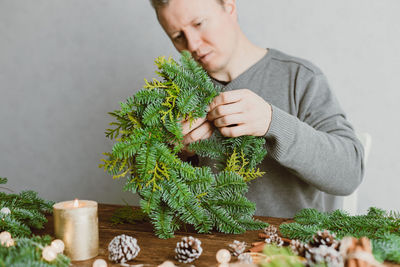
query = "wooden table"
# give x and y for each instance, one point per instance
(153, 250)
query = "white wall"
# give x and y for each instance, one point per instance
(65, 63)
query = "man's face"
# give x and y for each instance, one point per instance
(203, 27)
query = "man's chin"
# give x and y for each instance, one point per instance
(209, 67)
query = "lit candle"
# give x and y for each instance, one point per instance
(76, 223)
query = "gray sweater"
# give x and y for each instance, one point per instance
(313, 154)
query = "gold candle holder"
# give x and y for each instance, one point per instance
(76, 223)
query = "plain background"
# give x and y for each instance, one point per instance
(65, 63)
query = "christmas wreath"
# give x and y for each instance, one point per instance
(148, 136)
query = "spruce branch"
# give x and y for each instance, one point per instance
(383, 228)
(27, 211)
(28, 252)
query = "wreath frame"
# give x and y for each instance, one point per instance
(148, 137)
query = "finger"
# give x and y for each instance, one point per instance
(235, 131)
(187, 127)
(196, 134)
(208, 134)
(224, 121)
(226, 98)
(224, 110)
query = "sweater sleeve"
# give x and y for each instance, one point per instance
(317, 144)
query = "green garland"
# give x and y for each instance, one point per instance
(149, 137)
(26, 212)
(383, 228)
(28, 252)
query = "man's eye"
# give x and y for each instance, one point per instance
(178, 37)
(198, 24)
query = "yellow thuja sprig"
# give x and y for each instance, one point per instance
(135, 122)
(173, 91)
(155, 84)
(160, 61)
(233, 162)
(199, 196)
(236, 164)
(159, 172)
(121, 168)
(110, 166)
(127, 121)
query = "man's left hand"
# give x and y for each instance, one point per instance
(240, 112)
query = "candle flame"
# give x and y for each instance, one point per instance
(76, 203)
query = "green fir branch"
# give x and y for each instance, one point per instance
(383, 228)
(28, 252)
(127, 214)
(27, 211)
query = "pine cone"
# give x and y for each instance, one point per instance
(274, 239)
(245, 258)
(299, 248)
(357, 252)
(270, 230)
(324, 238)
(324, 255)
(188, 249)
(237, 248)
(123, 248)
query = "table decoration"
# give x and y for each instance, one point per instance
(76, 224)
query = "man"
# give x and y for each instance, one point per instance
(313, 154)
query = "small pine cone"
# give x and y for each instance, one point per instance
(274, 239)
(299, 247)
(324, 238)
(270, 230)
(324, 255)
(245, 258)
(123, 248)
(188, 249)
(237, 248)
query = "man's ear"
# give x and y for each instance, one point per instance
(230, 7)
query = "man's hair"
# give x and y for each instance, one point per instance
(160, 3)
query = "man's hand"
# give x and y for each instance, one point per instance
(200, 129)
(240, 112)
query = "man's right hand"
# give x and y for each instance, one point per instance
(199, 129)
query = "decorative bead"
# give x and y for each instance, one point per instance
(223, 256)
(167, 264)
(5, 211)
(99, 263)
(9, 242)
(49, 254)
(4, 237)
(58, 245)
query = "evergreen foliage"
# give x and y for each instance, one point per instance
(149, 137)
(26, 212)
(28, 252)
(127, 214)
(280, 257)
(383, 228)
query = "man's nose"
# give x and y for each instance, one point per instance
(193, 41)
